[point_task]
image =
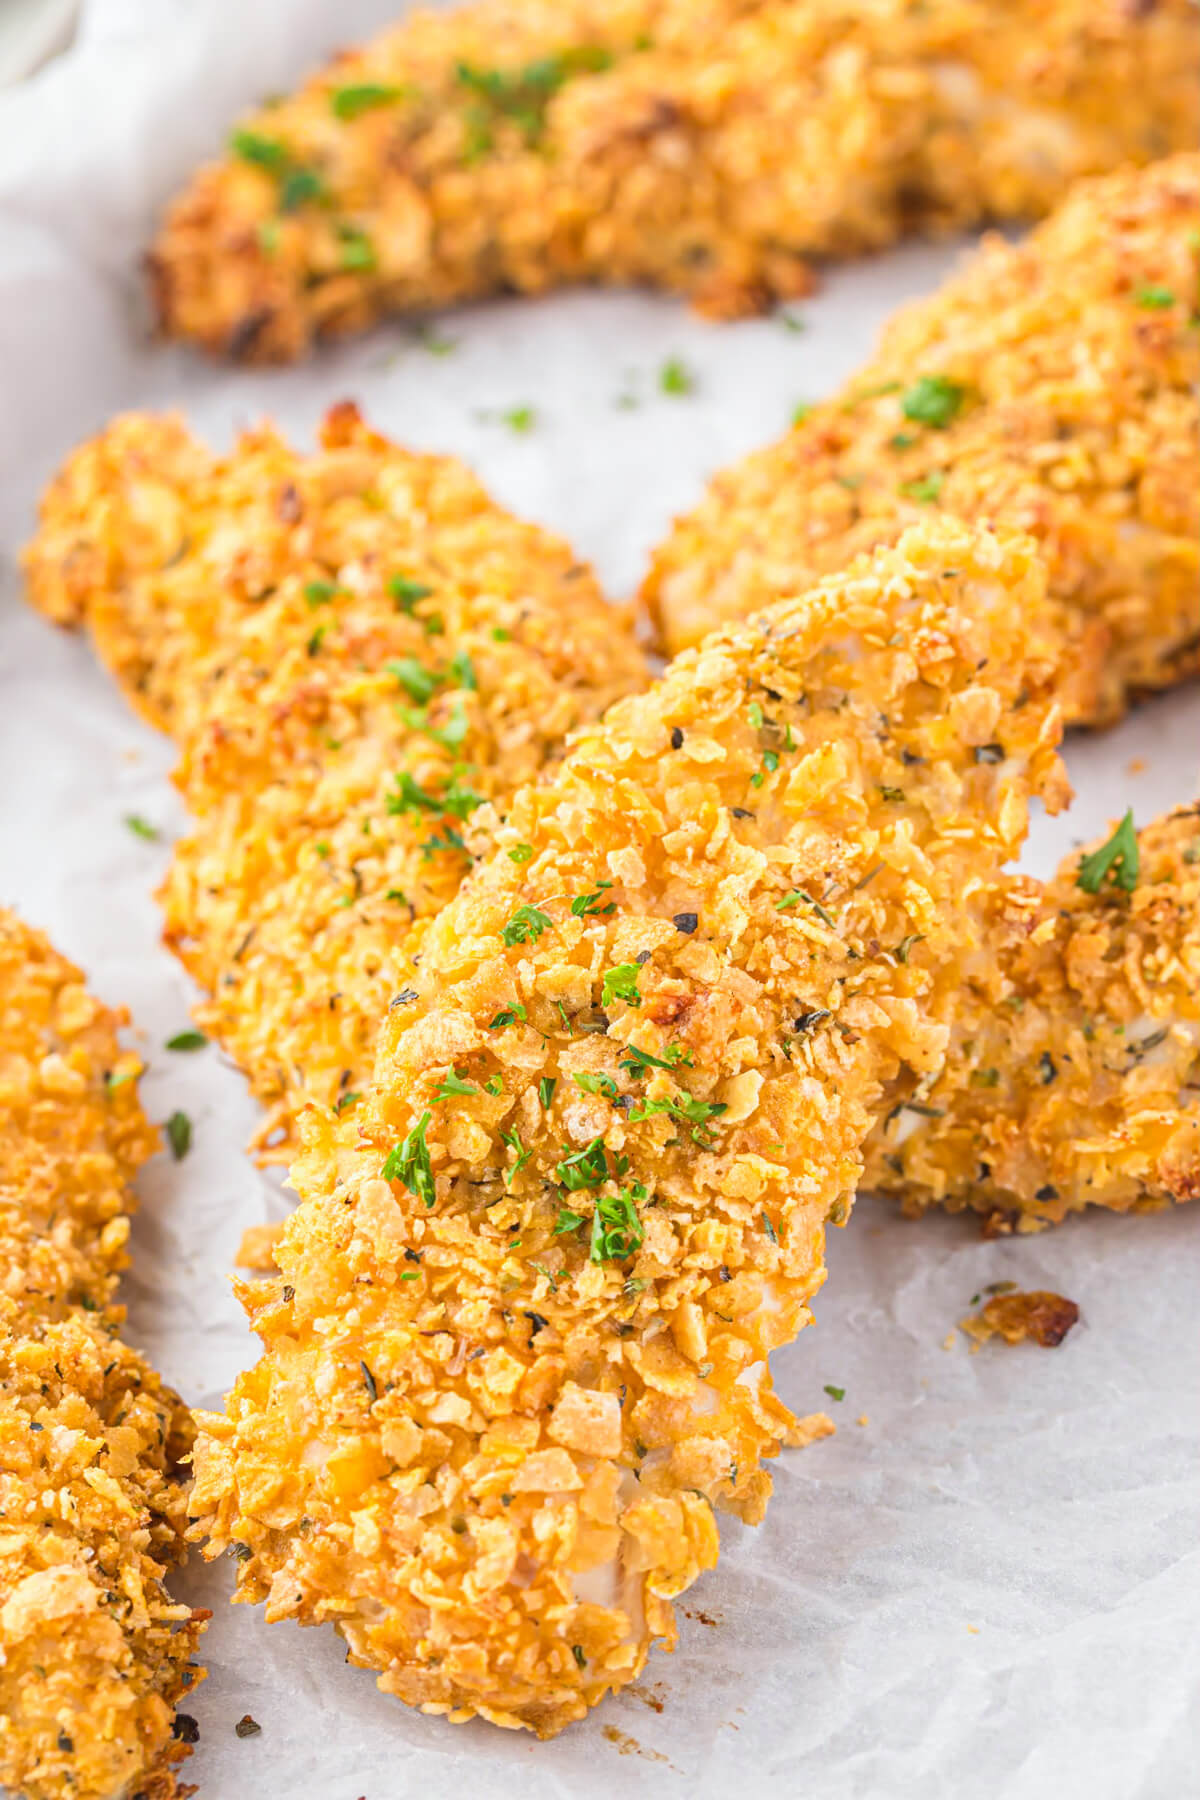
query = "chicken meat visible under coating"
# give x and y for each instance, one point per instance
(355, 649)
(517, 1350)
(94, 1655)
(1051, 387)
(712, 147)
(1082, 1087)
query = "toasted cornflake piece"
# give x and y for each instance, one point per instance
(94, 1655)
(711, 147)
(1036, 392)
(355, 650)
(1043, 1317)
(565, 1310)
(1076, 1082)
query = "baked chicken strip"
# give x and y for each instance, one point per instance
(1051, 387)
(355, 650)
(710, 147)
(94, 1655)
(1082, 1087)
(517, 1349)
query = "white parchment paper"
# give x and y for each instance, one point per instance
(989, 1590)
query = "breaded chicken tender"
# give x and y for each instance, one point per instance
(710, 147)
(1082, 1087)
(1051, 387)
(516, 1353)
(355, 649)
(94, 1655)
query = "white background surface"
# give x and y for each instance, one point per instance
(989, 1592)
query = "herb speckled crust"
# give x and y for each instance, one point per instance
(94, 1655)
(711, 147)
(1082, 1087)
(1051, 387)
(355, 649)
(516, 1352)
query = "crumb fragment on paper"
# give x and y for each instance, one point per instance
(808, 1430)
(1043, 1317)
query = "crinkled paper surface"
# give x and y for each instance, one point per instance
(987, 1585)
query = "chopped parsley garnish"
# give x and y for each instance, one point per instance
(520, 95)
(454, 1083)
(586, 906)
(462, 672)
(621, 983)
(596, 1084)
(319, 593)
(346, 1100)
(616, 1226)
(494, 1083)
(801, 411)
(410, 796)
(587, 1168)
(520, 853)
(409, 1162)
(507, 1016)
(142, 828)
(676, 378)
(419, 683)
(636, 1062)
(513, 1140)
(926, 489)
(1154, 297)
(796, 896)
(1117, 861)
(835, 1393)
(187, 1040)
(546, 1087)
(526, 926)
(179, 1135)
(567, 1221)
(686, 1109)
(357, 252)
(264, 152)
(406, 592)
(364, 96)
(906, 943)
(933, 400)
(298, 187)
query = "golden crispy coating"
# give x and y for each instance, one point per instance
(516, 1351)
(355, 649)
(1082, 1087)
(712, 147)
(1051, 387)
(94, 1655)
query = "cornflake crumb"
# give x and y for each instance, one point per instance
(1042, 1316)
(257, 1248)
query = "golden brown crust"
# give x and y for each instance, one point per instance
(355, 650)
(1051, 387)
(516, 1350)
(1082, 1086)
(94, 1655)
(712, 147)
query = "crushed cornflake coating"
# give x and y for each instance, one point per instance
(355, 650)
(94, 1655)
(710, 147)
(1050, 387)
(1043, 1317)
(516, 1354)
(1076, 1082)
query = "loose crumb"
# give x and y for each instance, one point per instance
(257, 1248)
(1042, 1316)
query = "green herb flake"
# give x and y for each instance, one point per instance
(617, 1230)
(507, 1016)
(264, 152)
(933, 400)
(546, 1087)
(526, 926)
(187, 1040)
(596, 1084)
(621, 983)
(454, 1083)
(345, 1101)
(179, 1135)
(409, 1162)
(926, 489)
(356, 252)
(835, 1393)
(320, 593)
(462, 672)
(352, 102)
(298, 188)
(1118, 860)
(587, 906)
(676, 378)
(586, 1168)
(567, 1221)
(142, 828)
(419, 683)
(1153, 297)
(520, 853)
(406, 592)
(636, 1062)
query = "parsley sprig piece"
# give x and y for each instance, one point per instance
(933, 400)
(636, 1062)
(586, 1168)
(617, 1229)
(454, 1083)
(408, 1161)
(620, 983)
(587, 906)
(685, 1109)
(526, 926)
(1117, 861)
(361, 97)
